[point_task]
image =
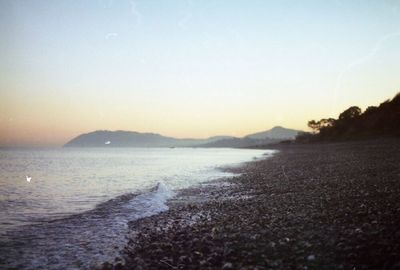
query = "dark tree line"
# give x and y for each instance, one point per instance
(380, 121)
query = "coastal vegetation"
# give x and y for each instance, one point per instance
(353, 124)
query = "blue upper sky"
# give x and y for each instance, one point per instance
(190, 68)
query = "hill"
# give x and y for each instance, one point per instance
(239, 142)
(105, 138)
(278, 132)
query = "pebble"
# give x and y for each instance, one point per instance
(227, 266)
(284, 231)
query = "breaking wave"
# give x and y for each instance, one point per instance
(82, 240)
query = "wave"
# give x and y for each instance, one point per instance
(82, 240)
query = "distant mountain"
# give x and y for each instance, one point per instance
(279, 133)
(273, 135)
(105, 138)
(217, 138)
(239, 142)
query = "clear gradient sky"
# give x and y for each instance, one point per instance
(190, 68)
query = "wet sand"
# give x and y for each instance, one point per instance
(320, 206)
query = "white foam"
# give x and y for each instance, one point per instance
(152, 203)
(102, 195)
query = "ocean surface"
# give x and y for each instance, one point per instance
(73, 213)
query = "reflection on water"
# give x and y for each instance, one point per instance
(74, 211)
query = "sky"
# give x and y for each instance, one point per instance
(190, 68)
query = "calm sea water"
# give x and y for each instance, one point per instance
(73, 214)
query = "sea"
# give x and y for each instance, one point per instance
(69, 208)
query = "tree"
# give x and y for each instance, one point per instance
(323, 123)
(350, 113)
(326, 122)
(313, 125)
(371, 109)
(375, 122)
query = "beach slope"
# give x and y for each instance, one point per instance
(319, 206)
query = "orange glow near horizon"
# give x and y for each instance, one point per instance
(223, 72)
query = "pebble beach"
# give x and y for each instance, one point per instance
(318, 206)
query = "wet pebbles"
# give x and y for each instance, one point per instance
(325, 206)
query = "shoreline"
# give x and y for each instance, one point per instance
(325, 206)
(88, 238)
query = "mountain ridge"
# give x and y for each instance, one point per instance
(123, 138)
(277, 132)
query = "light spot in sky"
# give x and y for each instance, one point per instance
(107, 142)
(362, 60)
(190, 68)
(135, 12)
(111, 35)
(28, 179)
(185, 20)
